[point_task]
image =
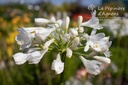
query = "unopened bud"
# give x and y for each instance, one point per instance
(68, 52)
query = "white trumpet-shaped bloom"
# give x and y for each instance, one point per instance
(33, 57)
(32, 30)
(98, 42)
(92, 66)
(93, 22)
(93, 39)
(58, 65)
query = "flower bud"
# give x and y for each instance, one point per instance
(80, 19)
(68, 52)
(41, 21)
(58, 65)
(66, 22)
(103, 59)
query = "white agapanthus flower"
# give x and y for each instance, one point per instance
(97, 42)
(58, 65)
(33, 56)
(56, 36)
(92, 66)
(93, 22)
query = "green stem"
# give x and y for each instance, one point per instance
(80, 54)
(62, 76)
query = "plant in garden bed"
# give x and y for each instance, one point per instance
(56, 36)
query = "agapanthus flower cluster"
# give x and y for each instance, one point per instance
(56, 36)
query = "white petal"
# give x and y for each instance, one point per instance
(58, 65)
(98, 26)
(48, 43)
(109, 43)
(98, 37)
(107, 53)
(31, 30)
(23, 39)
(68, 52)
(20, 58)
(103, 59)
(91, 66)
(93, 22)
(44, 33)
(86, 48)
(36, 56)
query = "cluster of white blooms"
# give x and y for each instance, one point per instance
(57, 36)
(117, 25)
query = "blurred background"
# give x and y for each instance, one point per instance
(113, 15)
